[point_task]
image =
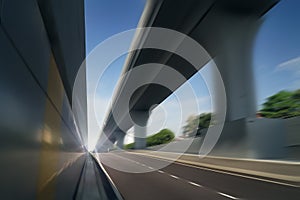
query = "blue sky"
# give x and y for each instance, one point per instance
(276, 53)
(105, 18)
(277, 50)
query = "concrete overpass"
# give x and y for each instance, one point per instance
(226, 30)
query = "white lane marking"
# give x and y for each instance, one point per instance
(192, 183)
(133, 161)
(138, 163)
(195, 184)
(227, 195)
(176, 177)
(216, 170)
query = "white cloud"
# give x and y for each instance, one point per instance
(292, 65)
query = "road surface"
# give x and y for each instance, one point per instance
(181, 181)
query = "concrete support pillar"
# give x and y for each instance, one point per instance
(140, 128)
(120, 135)
(234, 61)
(243, 135)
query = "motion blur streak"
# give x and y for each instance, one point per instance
(50, 137)
(42, 141)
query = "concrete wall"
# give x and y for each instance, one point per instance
(266, 138)
(293, 131)
(250, 138)
(292, 139)
(38, 130)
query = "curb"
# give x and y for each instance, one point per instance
(112, 184)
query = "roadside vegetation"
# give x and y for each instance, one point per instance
(196, 124)
(284, 104)
(162, 137)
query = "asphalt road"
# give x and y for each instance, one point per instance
(180, 181)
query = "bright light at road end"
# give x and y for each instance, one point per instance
(178, 43)
(91, 146)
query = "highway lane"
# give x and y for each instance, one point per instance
(180, 181)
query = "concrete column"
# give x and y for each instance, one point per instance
(140, 128)
(243, 135)
(120, 135)
(234, 61)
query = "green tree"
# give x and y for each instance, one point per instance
(204, 120)
(191, 126)
(284, 104)
(162, 137)
(195, 124)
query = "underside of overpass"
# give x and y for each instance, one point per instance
(226, 31)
